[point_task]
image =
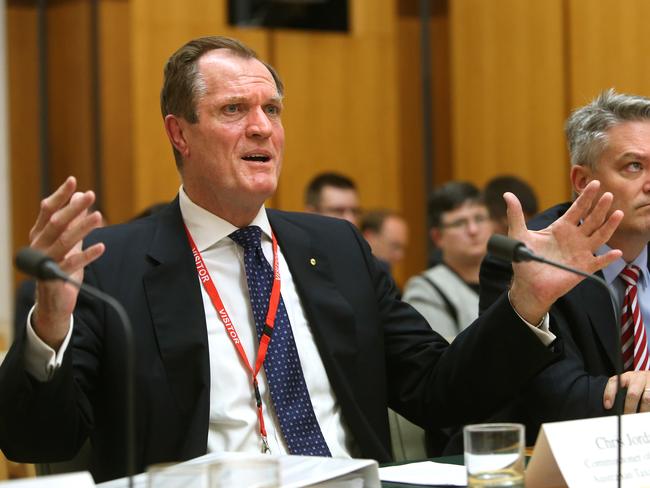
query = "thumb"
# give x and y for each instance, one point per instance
(516, 220)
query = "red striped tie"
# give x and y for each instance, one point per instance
(633, 336)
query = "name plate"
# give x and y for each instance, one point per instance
(581, 453)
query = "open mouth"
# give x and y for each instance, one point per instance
(260, 158)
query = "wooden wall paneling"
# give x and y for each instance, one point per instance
(339, 109)
(414, 198)
(341, 106)
(508, 101)
(608, 48)
(70, 92)
(23, 102)
(116, 102)
(158, 28)
(409, 115)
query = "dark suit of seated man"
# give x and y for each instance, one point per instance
(342, 348)
(609, 139)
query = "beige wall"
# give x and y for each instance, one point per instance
(509, 92)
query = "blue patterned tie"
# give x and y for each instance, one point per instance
(282, 364)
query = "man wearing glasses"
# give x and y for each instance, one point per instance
(447, 293)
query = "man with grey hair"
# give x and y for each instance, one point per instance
(609, 141)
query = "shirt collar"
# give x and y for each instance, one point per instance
(612, 271)
(208, 229)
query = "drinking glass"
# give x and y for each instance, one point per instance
(494, 455)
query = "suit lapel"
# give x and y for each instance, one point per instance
(330, 315)
(176, 308)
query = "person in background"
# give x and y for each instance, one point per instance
(447, 294)
(388, 235)
(493, 197)
(334, 195)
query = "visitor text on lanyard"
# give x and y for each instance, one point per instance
(265, 338)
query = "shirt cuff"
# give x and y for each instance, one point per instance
(41, 361)
(541, 330)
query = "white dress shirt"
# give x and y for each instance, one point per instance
(233, 415)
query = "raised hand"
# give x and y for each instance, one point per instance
(62, 224)
(571, 240)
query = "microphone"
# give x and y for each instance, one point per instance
(40, 266)
(512, 250)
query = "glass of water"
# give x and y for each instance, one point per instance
(494, 455)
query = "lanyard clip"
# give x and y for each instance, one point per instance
(265, 446)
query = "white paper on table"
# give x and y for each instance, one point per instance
(425, 473)
(295, 471)
(69, 480)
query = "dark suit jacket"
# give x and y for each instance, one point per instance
(23, 303)
(377, 350)
(584, 323)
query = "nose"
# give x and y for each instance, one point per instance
(258, 124)
(472, 226)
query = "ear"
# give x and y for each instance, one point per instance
(174, 128)
(436, 235)
(580, 177)
(369, 236)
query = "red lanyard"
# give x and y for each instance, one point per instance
(274, 301)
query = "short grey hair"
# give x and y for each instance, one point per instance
(586, 128)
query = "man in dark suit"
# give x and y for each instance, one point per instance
(196, 279)
(609, 140)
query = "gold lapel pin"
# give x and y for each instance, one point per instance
(312, 261)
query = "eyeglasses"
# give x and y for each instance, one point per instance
(463, 223)
(340, 211)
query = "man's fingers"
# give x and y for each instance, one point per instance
(632, 399)
(79, 260)
(605, 231)
(60, 221)
(644, 406)
(53, 203)
(73, 236)
(597, 215)
(516, 219)
(636, 383)
(610, 393)
(581, 206)
(637, 398)
(606, 259)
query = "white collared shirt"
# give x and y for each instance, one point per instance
(233, 416)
